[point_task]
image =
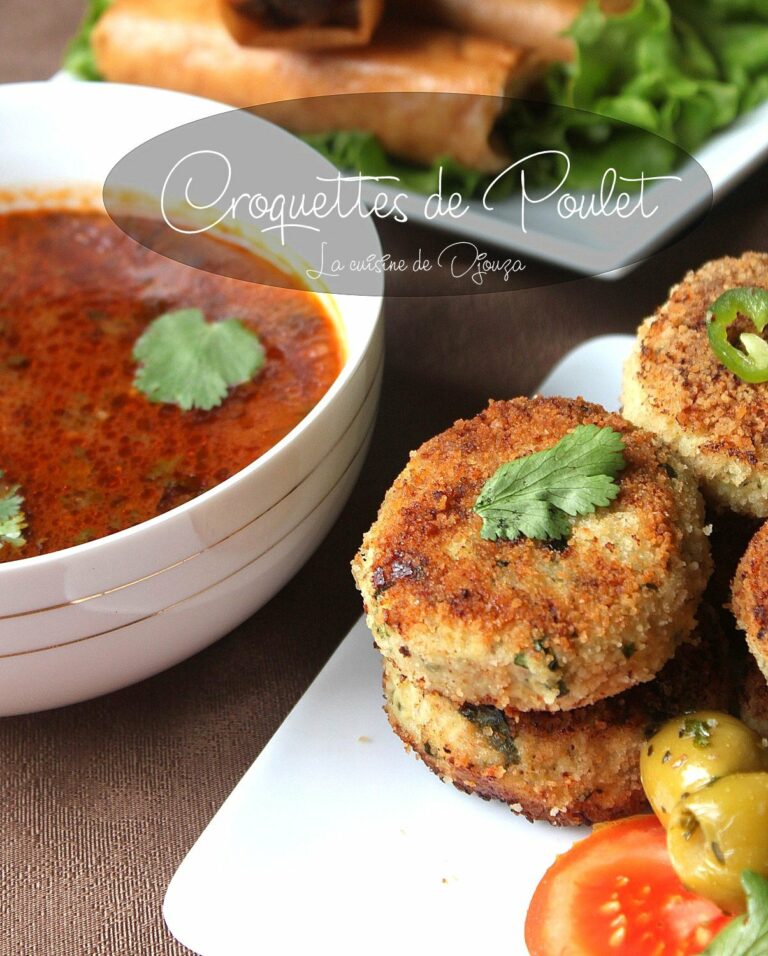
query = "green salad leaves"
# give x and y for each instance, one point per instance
(537, 495)
(78, 57)
(747, 935)
(352, 149)
(12, 520)
(681, 69)
(189, 362)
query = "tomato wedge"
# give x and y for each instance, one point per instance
(615, 894)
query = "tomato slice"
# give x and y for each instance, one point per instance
(615, 894)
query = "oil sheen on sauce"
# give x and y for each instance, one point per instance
(91, 454)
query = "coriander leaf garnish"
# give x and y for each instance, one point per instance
(12, 520)
(535, 496)
(186, 361)
(746, 935)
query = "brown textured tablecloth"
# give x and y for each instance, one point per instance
(101, 801)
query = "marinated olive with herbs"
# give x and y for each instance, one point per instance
(691, 751)
(717, 833)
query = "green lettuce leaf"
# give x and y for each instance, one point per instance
(78, 57)
(747, 935)
(681, 69)
(361, 151)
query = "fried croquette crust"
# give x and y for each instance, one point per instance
(523, 624)
(576, 767)
(750, 597)
(730, 537)
(676, 387)
(753, 700)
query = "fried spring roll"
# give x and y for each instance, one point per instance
(536, 23)
(183, 45)
(302, 24)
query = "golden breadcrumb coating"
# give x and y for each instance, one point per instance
(524, 624)
(753, 700)
(579, 766)
(750, 597)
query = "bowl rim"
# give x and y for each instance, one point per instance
(367, 408)
(350, 466)
(371, 311)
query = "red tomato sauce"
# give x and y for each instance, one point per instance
(91, 454)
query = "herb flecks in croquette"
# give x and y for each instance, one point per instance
(542, 648)
(585, 761)
(536, 496)
(493, 724)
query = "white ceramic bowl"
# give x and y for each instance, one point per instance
(93, 618)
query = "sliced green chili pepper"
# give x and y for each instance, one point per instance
(750, 363)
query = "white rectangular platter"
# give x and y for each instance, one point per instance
(727, 158)
(337, 840)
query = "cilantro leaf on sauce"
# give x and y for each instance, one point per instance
(12, 520)
(535, 496)
(186, 361)
(747, 935)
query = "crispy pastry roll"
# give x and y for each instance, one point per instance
(536, 23)
(183, 45)
(302, 24)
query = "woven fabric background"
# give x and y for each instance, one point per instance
(100, 802)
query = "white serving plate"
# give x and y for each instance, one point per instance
(337, 840)
(611, 252)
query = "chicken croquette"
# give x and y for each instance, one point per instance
(750, 597)
(677, 387)
(526, 624)
(577, 767)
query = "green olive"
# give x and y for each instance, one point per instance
(717, 833)
(691, 751)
